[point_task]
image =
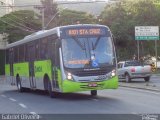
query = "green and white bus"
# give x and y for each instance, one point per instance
(64, 59)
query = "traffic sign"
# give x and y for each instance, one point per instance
(146, 32)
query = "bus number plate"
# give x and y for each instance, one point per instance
(92, 84)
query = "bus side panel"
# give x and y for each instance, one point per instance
(71, 86)
(60, 79)
(22, 69)
(7, 69)
(7, 72)
(40, 69)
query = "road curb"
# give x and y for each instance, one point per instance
(136, 87)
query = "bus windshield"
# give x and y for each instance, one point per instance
(87, 52)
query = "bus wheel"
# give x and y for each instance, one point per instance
(19, 85)
(50, 90)
(93, 92)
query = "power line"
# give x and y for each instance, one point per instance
(17, 26)
(20, 24)
(2, 3)
(22, 20)
(60, 3)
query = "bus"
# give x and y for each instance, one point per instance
(64, 59)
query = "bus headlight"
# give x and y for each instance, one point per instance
(69, 76)
(113, 73)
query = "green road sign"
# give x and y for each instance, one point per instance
(146, 32)
(146, 37)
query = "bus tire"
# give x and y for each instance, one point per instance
(19, 85)
(51, 94)
(93, 92)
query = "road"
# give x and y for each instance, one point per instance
(121, 101)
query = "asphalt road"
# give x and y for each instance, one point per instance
(121, 101)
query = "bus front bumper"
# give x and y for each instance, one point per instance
(71, 86)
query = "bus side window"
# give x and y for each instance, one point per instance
(26, 52)
(56, 52)
(37, 55)
(51, 48)
(7, 56)
(21, 53)
(43, 49)
(15, 54)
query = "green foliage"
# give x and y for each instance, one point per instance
(72, 17)
(19, 24)
(123, 16)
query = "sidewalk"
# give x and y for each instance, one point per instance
(153, 84)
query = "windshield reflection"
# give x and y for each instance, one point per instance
(87, 52)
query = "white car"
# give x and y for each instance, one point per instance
(133, 69)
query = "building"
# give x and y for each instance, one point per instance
(6, 10)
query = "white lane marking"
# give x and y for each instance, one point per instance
(33, 113)
(12, 99)
(22, 105)
(4, 96)
(134, 113)
(146, 91)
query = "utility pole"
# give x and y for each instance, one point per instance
(41, 8)
(54, 17)
(43, 22)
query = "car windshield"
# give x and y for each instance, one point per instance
(133, 63)
(87, 52)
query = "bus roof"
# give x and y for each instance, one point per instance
(44, 33)
(34, 36)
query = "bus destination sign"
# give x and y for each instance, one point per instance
(85, 31)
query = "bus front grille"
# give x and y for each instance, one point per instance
(90, 73)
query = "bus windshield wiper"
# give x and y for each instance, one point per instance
(95, 45)
(79, 43)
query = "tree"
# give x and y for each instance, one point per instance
(68, 17)
(19, 24)
(123, 16)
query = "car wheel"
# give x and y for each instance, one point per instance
(127, 77)
(147, 78)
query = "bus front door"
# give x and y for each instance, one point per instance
(31, 57)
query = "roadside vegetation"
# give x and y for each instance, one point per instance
(121, 17)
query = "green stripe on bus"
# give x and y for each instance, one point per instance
(71, 86)
(43, 67)
(59, 79)
(7, 69)
(21, 68)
